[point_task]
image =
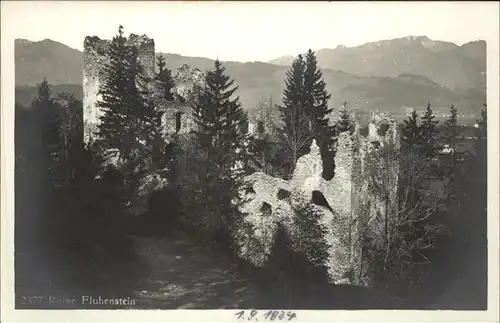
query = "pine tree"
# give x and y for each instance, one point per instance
(122, 101)
(412, 132)
(345, 123)
(451, 134)
(165, 79)
(481, 146)
(482, 128)
(46, 167)
(429, 133)
(296, 135)
(221, 134)
(221, 122)
(316, 106)
(412, 150)
(315, 95)
(151, 126)
(71, 135)
(49, 120)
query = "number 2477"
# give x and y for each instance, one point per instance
(269, 315)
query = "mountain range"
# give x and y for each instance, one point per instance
(388, 75)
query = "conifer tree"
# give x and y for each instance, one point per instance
(429, 132)
(412, 132)
(412, 146)
(165, 79)
(296, 135)
(451, 133)
(151, 126)
(482, 122)
(221, 134)
(122, 101)
(345, 123)
(315, 95)
(46, 167)
(221, 122)
(481, 134)
(316, 106)
(71, 135)
(50, 127)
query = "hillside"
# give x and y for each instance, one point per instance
(369, 85)
(25, 94)
(47, 58)
(455, 67)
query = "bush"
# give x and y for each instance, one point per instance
(94, 253)
(302, 252)
(397, 242)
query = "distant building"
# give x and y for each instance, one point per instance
(446, 150)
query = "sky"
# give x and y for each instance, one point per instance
(250, 31)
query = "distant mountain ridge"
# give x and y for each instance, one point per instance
(455, 67)
(47, 58)
(440, 72)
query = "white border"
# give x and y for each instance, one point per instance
(8, 34)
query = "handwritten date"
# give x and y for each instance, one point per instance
(272, 315)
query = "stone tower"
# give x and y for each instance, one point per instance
(94, 59)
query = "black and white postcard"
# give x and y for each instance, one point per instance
(260, 161)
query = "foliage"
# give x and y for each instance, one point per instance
(129, 134)
(452, 128)
(125, 128)
(76, 208)
(412, 132)
(429, 133)
(453, 163)
(267, 152)
(305, 114)
(296, 135)
(396, 241)
(310, 238)
(316, 105)
(165, 79)
(218, 155)
(48, 113)
(345, 122)
(283, 257)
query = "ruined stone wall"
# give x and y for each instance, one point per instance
(340, 187)
(94, 59)
(347, 194)
(187, 81)
(280, 195)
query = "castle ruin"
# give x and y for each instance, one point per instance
(177, 117)
(269, 201)
(95, 59)
(346, 194)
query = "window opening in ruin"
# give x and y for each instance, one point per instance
(283, 194)
(266, 209)
(363, 131)
(376, 144)
(249, 189)
(319, 199)
(383, 129)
